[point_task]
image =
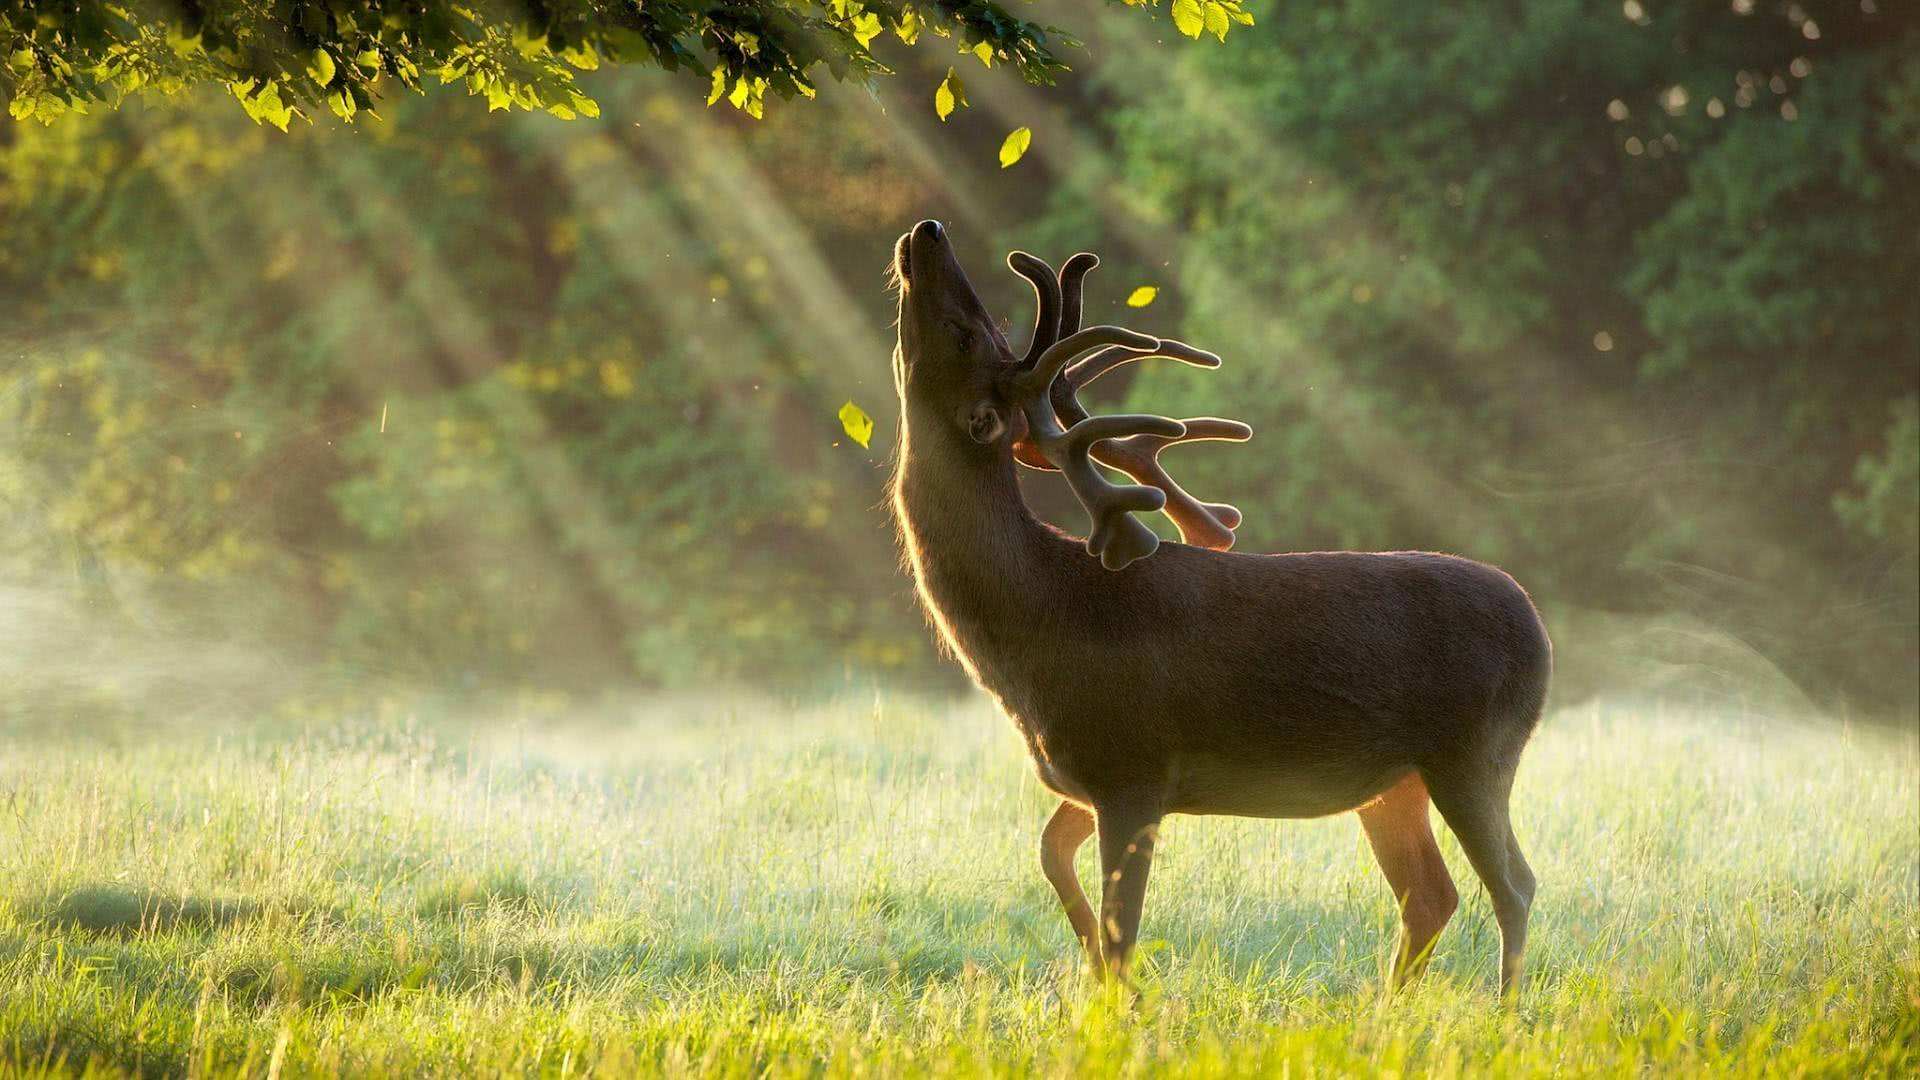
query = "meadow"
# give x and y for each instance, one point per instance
(733, 889)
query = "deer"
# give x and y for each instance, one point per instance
(1152, 678)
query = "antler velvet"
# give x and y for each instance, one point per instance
(1061, 435)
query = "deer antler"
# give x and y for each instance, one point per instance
(1051, 401)
(1046, 294)
(1116, 537)
(1208, 525)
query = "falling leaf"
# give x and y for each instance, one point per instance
(951, 95)
(858, 424)
(1142, 296)
(1016, 145)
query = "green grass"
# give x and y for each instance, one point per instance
(723, 889)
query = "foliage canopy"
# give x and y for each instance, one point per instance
(288, 58)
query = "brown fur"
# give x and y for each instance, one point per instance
(1204, 682)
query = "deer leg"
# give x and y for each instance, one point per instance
(1127, 835)
(1066, 830)
(1518, 869)
(1476, 811)
(1397, 826)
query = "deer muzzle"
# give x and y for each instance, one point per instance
(924, 255)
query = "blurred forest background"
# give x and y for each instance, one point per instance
(1625, 299)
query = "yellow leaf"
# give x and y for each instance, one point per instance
(1187, 17)
(272, 109)
(719, 84)
(1216, 20)
(1015, 146)
(984, 51)
(858, 424)
(1142, 296)
(952, 94)
(909, 29)
(320, 67)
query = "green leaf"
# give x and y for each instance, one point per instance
(1142, 296)
(952, 94)
(320, 67)
(1015, 146)
(858, 425)
(1187, 17)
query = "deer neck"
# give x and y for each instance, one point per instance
(979, 558)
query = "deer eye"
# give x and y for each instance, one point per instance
(963, 335)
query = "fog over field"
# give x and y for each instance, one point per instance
(737, 888)
(453, 618)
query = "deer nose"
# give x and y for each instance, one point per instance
(928, 230)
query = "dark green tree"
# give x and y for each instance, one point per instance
(1621, 298)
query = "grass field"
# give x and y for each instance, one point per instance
(743, 890)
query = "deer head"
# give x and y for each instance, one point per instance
(955, 372)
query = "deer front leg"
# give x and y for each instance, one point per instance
(1066, 830)
(1128, 831)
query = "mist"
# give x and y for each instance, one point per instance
(459, 405)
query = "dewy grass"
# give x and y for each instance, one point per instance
(736, 891)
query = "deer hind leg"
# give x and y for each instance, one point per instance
(1475, 808)
(1066, 830)
(1128, 832)
(1398, 827)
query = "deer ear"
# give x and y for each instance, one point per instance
(984, 423)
